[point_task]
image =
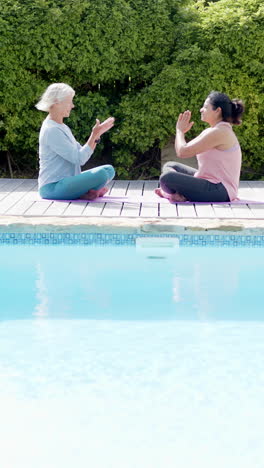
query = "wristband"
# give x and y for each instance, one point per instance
(98, 140)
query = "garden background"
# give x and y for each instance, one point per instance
(142, 61)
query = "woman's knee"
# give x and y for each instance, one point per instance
(110, 171)
(168, 166)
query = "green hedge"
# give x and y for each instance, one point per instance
(224, 51)
(142, 61)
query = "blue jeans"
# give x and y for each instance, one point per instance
(180, 178)
(71, 188)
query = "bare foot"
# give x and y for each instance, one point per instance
(177, 197)
(162, 194)
(93, 194)
(102, 191)
(173, 197)
(88, 196)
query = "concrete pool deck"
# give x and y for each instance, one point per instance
(21, 209)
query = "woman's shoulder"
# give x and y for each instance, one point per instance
(211, 133)
(50, 127)
(222, 130)
(226, 136)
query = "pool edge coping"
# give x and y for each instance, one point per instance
(131, 225)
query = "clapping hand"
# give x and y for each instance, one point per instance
(102, 127)
(183, 122)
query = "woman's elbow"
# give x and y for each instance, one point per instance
(184, 153)
(180, 153)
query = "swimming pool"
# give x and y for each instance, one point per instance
(136, 355)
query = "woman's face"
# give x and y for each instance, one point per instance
(64, 107)
(208, 114)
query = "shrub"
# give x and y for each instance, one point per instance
(142, 61)
(224, 51)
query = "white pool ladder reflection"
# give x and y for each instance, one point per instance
(159, 248)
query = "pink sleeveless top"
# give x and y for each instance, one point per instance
(221, 166)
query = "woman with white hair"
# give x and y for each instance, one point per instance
(61, 156)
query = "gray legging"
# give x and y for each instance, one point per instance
(180, 178)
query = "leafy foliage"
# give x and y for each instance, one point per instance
(224, 50)
(142, 61)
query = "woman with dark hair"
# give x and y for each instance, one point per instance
(218, 154)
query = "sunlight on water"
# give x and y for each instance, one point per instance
(131, 358)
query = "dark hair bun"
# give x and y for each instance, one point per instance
(237, 111)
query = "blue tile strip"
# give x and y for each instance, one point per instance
(190, 240)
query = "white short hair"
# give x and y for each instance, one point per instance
(55, 92)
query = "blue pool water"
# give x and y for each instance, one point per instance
(127, 283)
(125, 357)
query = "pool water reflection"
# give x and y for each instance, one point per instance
(125, 283)
(124, 358)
